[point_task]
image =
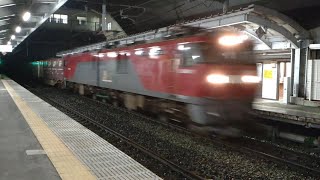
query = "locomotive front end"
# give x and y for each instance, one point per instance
(229, 83)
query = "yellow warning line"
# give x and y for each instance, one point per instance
(66, 164)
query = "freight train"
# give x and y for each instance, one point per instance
(207, 79)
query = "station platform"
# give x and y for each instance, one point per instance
(289, 113)
(37, 141)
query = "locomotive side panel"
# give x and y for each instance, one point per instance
(82, 69)
(119, 75)
(215, 81)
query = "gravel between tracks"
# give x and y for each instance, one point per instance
(194, 153)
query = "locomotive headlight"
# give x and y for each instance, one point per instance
(218, 79)
(250, 79)
(232, 40)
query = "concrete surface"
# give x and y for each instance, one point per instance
(18, 160)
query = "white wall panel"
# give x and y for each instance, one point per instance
(313, 79)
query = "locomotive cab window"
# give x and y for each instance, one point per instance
(190, 54)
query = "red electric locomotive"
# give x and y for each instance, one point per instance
(206, 80)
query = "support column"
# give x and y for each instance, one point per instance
(293, 54)
(225, 6)
(104, 15)
(299, 67)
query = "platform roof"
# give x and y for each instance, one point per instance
(141, 15)
(268, 28)
(11, 13)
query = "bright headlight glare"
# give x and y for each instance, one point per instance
(218, 79)
(232, 40)
(250, 79)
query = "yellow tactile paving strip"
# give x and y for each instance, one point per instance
(66, 164)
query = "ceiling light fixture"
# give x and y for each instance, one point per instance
(13, 37)
(18, 29)
(9, 43)
(26, 16)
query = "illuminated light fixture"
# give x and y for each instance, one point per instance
(7, 5)
(13, 37)
(183, 48)
(154, 51)
(18, 29)
(250, 79)
(9, 43)
(112, 54)
(139, 52)
(218, 79)
(26, 16)
(232, 40)
(99, 55)
(195, 57)
(124, 53)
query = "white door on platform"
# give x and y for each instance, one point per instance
(270, 81)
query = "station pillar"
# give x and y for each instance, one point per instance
(299, 58)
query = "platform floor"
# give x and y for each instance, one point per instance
(70, 151)
(293, 112)
(20, 152)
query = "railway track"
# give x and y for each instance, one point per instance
(83, 119)
(278, 157)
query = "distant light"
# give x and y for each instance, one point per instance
(183, 48)
(26, 16)
(13, 37)
(112, 54)
(154, 51)
(125, 53)
(99, 55)
(139, 52)
(9, 43)
(18, 29)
